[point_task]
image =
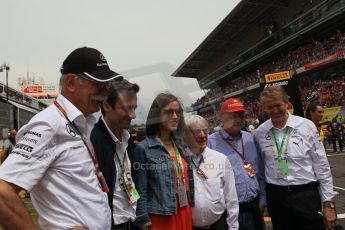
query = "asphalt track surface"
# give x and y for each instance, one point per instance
(337, 163)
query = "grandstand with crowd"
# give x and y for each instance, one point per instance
(261, 43)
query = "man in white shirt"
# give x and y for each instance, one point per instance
(299, 181)
(53, 158)
(110, 138)
(216, 203)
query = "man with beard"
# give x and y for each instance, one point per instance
(53, 157)
(239, 147)
(216, 203)
(110, 138)
(299, 181)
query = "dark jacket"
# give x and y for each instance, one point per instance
(335, 128)
(105, 148)
(154, 177)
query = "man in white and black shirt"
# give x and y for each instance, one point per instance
(113, 147)
(51, 157)
(299, 181)
(216, 204)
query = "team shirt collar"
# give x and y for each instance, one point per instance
(72, 111)
(227, 136)
(289, 123)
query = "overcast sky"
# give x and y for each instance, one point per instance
(143, 40)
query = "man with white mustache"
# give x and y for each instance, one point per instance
(216, 203)
(53, 157)
(239, 147)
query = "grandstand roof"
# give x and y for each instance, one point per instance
(247, 14)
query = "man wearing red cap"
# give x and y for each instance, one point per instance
(240, 148)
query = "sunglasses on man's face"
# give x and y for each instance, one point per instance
(96, 84)
(171, 112)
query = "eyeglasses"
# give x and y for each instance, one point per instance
(197, 132)
(171, 112)
(97, 84)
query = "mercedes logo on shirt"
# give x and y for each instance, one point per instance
(70, 130)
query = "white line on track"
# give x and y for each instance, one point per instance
(341, 216)
(339, 188)
(336, 154)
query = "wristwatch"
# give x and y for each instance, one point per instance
(329, 204)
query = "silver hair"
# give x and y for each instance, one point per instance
(195, 120)
(63, 80)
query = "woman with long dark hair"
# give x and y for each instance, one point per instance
(314, 112)
(161, 170)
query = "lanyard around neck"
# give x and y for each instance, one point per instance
(123, 163)
(179, 166)
(88, 147)
(233, 147)
(197, 166)
(280, 146)
(199, 171)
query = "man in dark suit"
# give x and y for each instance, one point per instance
(113, 147)
(336, 129)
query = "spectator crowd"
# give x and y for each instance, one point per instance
(327, 91)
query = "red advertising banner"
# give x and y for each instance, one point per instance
(328, 59)
(43, 95)
(40, 91)
(33, 89)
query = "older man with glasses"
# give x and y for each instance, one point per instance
(53, 157)
(216, 203)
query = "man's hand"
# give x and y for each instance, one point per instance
(330, 217)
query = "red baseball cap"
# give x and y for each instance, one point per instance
(232, 105)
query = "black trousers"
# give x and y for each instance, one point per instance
(250, 217)
(340, 142)
(124, 226)
(295, 207)
(219, 225)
